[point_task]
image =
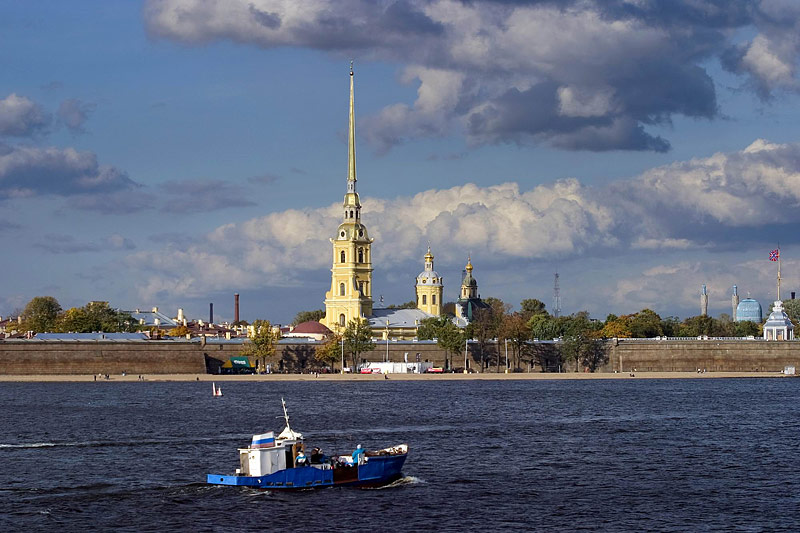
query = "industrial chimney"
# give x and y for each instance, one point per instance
(704, 301)
(211, 313)
(734, 302)
(236, 308)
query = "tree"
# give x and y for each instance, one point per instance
(499, 310)
(745, 328)
(330, 351)
(262, 343)
(95, 316)
(448, 336)
(308, 316)
(430, 328)
(408, 305)
(792, 308)
(616, 327)
(532, 307)
(695, 326)
(180, 331)
(358, 339)
(483, 330)
(645, 324)
(544, 327)
(580, 343)
(515, 328)
(40, 314)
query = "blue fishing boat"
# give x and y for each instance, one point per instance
(280, 463)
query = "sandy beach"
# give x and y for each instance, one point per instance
(379, 377)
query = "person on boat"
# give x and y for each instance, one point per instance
(301, 459)
(356, 453)
(317, 457)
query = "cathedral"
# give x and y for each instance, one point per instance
(350, 296)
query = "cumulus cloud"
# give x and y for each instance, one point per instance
(73, 114)
(696, 204)
(578, 75)
(31, 171)
(21, 117)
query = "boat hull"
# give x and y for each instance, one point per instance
(376, 471)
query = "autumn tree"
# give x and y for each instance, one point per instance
(95, 316)
(262, 343)
(330, 351)
(358, 339)
(515, 328)
(483, 329)
(180, 331)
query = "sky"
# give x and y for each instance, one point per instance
(172, 153)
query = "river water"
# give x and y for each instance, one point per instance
(632, 455)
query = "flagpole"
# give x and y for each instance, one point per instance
(779, 272)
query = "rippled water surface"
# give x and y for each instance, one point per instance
(638, 455)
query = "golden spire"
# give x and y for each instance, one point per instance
(429, 255)
(351, 144)
(468, 268)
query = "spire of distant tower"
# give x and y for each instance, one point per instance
(351, 141)
(556, 297)
(704, 301)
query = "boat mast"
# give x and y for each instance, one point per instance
(285, 413)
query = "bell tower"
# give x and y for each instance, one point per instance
(351, 275)
(430, 287)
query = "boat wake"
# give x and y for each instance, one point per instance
(403, 481)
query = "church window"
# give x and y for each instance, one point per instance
(351, 213)
(360, 255)
(341, 289)
(433, 299)
(341, 257)
(342, 234)
(424, 299)
(361, 233)
(361, 287)
(341, 320)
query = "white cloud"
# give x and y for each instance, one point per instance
(679, 207)
(21, 117)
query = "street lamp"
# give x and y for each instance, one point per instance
(342, 354)
(506, 340)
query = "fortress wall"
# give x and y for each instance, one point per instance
(167, 357)
(713, 355)
(100, 357)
